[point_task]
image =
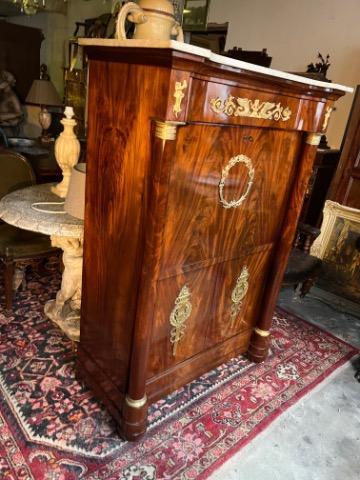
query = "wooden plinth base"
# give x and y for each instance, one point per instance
(259, 347)
(134, 422)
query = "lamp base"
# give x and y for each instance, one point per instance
(45, 122)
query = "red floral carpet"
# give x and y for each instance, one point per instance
(52, 428)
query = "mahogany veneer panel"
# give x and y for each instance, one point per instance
(198, 227)
(210, 321)
(160, 246)
(173, 378)
(117, 164)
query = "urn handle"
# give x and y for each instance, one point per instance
(178, 31)
(133, 12)
(136, 15)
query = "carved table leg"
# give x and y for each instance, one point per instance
(65, 309)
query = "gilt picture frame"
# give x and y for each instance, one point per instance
(332, 213)
(338, 245)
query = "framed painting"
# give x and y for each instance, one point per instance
(339, 247)
(195, 14)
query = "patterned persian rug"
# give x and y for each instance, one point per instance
(52, 428)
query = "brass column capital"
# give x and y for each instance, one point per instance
(313, 138)
(166, 130)
(136, 403)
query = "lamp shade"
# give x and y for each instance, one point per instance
(43, 92)
(75, 198)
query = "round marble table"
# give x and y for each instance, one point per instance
(66, 232)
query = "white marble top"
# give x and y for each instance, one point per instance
(17, 210)
(205, 53)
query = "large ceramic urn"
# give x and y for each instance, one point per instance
(154, 20)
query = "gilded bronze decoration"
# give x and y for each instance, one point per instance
(239, 291)
(313, 139)
(262, 333)
(136, 403)
(244, 107)
(179, 95)
(165, 130)
(326, 118)
(181, 312)
(233, 161)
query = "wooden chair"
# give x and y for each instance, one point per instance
(18, 246)
(303, 268)
(3, 139)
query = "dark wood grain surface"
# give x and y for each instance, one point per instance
(259, 344)
(118, 166)
(198, 227)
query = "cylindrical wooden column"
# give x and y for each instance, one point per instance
(260, 340)
(134, 410)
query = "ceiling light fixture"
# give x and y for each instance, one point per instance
(30, 7)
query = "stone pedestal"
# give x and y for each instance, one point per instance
(66, 232)
(65, 309)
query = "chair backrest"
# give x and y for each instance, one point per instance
(15, 172)
(3, 139)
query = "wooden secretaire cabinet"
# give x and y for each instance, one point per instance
(196, 172)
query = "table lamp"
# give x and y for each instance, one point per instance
(43, 93)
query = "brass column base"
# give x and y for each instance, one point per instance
(134, 419)
(259, 345)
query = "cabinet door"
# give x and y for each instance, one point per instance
(227, 193)
(227, 196)
(204, 307)
(183, 310)
(237, 295)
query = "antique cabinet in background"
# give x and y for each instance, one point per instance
(345, 187)
(20, 54)
(325, 165)
(197, 166)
